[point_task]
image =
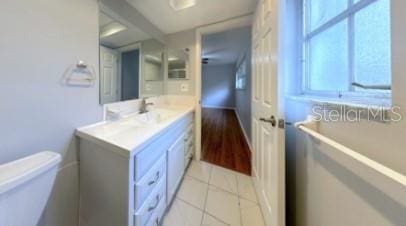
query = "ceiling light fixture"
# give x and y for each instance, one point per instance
(181, 4)
(173, 59)
(111, 29)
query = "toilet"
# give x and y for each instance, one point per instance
(25, 186)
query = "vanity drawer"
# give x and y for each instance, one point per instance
(157, 217)
(144, 160)
(151, 205)
(148, 182)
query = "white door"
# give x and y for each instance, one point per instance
(108, 75)
(268, 159)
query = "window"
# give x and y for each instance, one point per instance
(241, 75)
(347, 42)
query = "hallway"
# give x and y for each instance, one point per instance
(223, 141)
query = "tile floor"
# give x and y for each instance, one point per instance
(213, 196)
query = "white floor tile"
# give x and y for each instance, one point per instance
(199, 170)
(193, 192)
(224, 178)
(224, 206)
(211, 221)
(183, 214)
(251, 213)
(246, 188)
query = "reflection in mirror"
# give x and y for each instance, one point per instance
(152, 78)
(153, 67)
(131, 63)
(178, 64)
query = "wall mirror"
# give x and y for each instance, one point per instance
(178, 64)
(131, 62)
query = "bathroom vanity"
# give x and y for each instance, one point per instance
(131, 168)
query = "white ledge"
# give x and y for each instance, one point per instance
(361, 102)
(374, 109)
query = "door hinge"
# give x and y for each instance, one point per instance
(281, 123)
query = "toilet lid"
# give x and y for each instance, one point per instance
(15, 173)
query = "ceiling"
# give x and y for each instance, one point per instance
(225, 47)
(162, 15)
(122, 38)
(104, 20)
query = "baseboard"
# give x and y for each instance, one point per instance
(217, 107)
(243, 130)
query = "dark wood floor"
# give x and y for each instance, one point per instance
(223, 141)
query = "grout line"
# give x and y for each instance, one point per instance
(201, 219)
(207, 194)
(256, 205)
(222, 189)
(239, 197)
(235, 194)
(177, 196)
(199, 178)
(190, 204)
(228, 171)
(255, 192)
(221, 221)
(239, 203)
(230, 193)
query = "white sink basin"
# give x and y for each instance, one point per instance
(156, 116)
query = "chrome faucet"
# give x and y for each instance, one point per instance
(144, 106)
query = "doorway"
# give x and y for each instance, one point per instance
(130, 75)
(226, 99)
(119, 74)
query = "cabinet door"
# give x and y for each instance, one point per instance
(176, 158)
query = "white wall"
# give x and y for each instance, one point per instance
(322, 192)
(39, 40)
(243, 96)
(218, 86)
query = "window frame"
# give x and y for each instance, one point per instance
(243, 63)
(307, 35)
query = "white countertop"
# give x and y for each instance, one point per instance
(128, 134)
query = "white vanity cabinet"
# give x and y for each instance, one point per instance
(132, 186)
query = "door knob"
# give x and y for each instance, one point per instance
(271, 120)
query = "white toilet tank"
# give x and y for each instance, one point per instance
(25, 186)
